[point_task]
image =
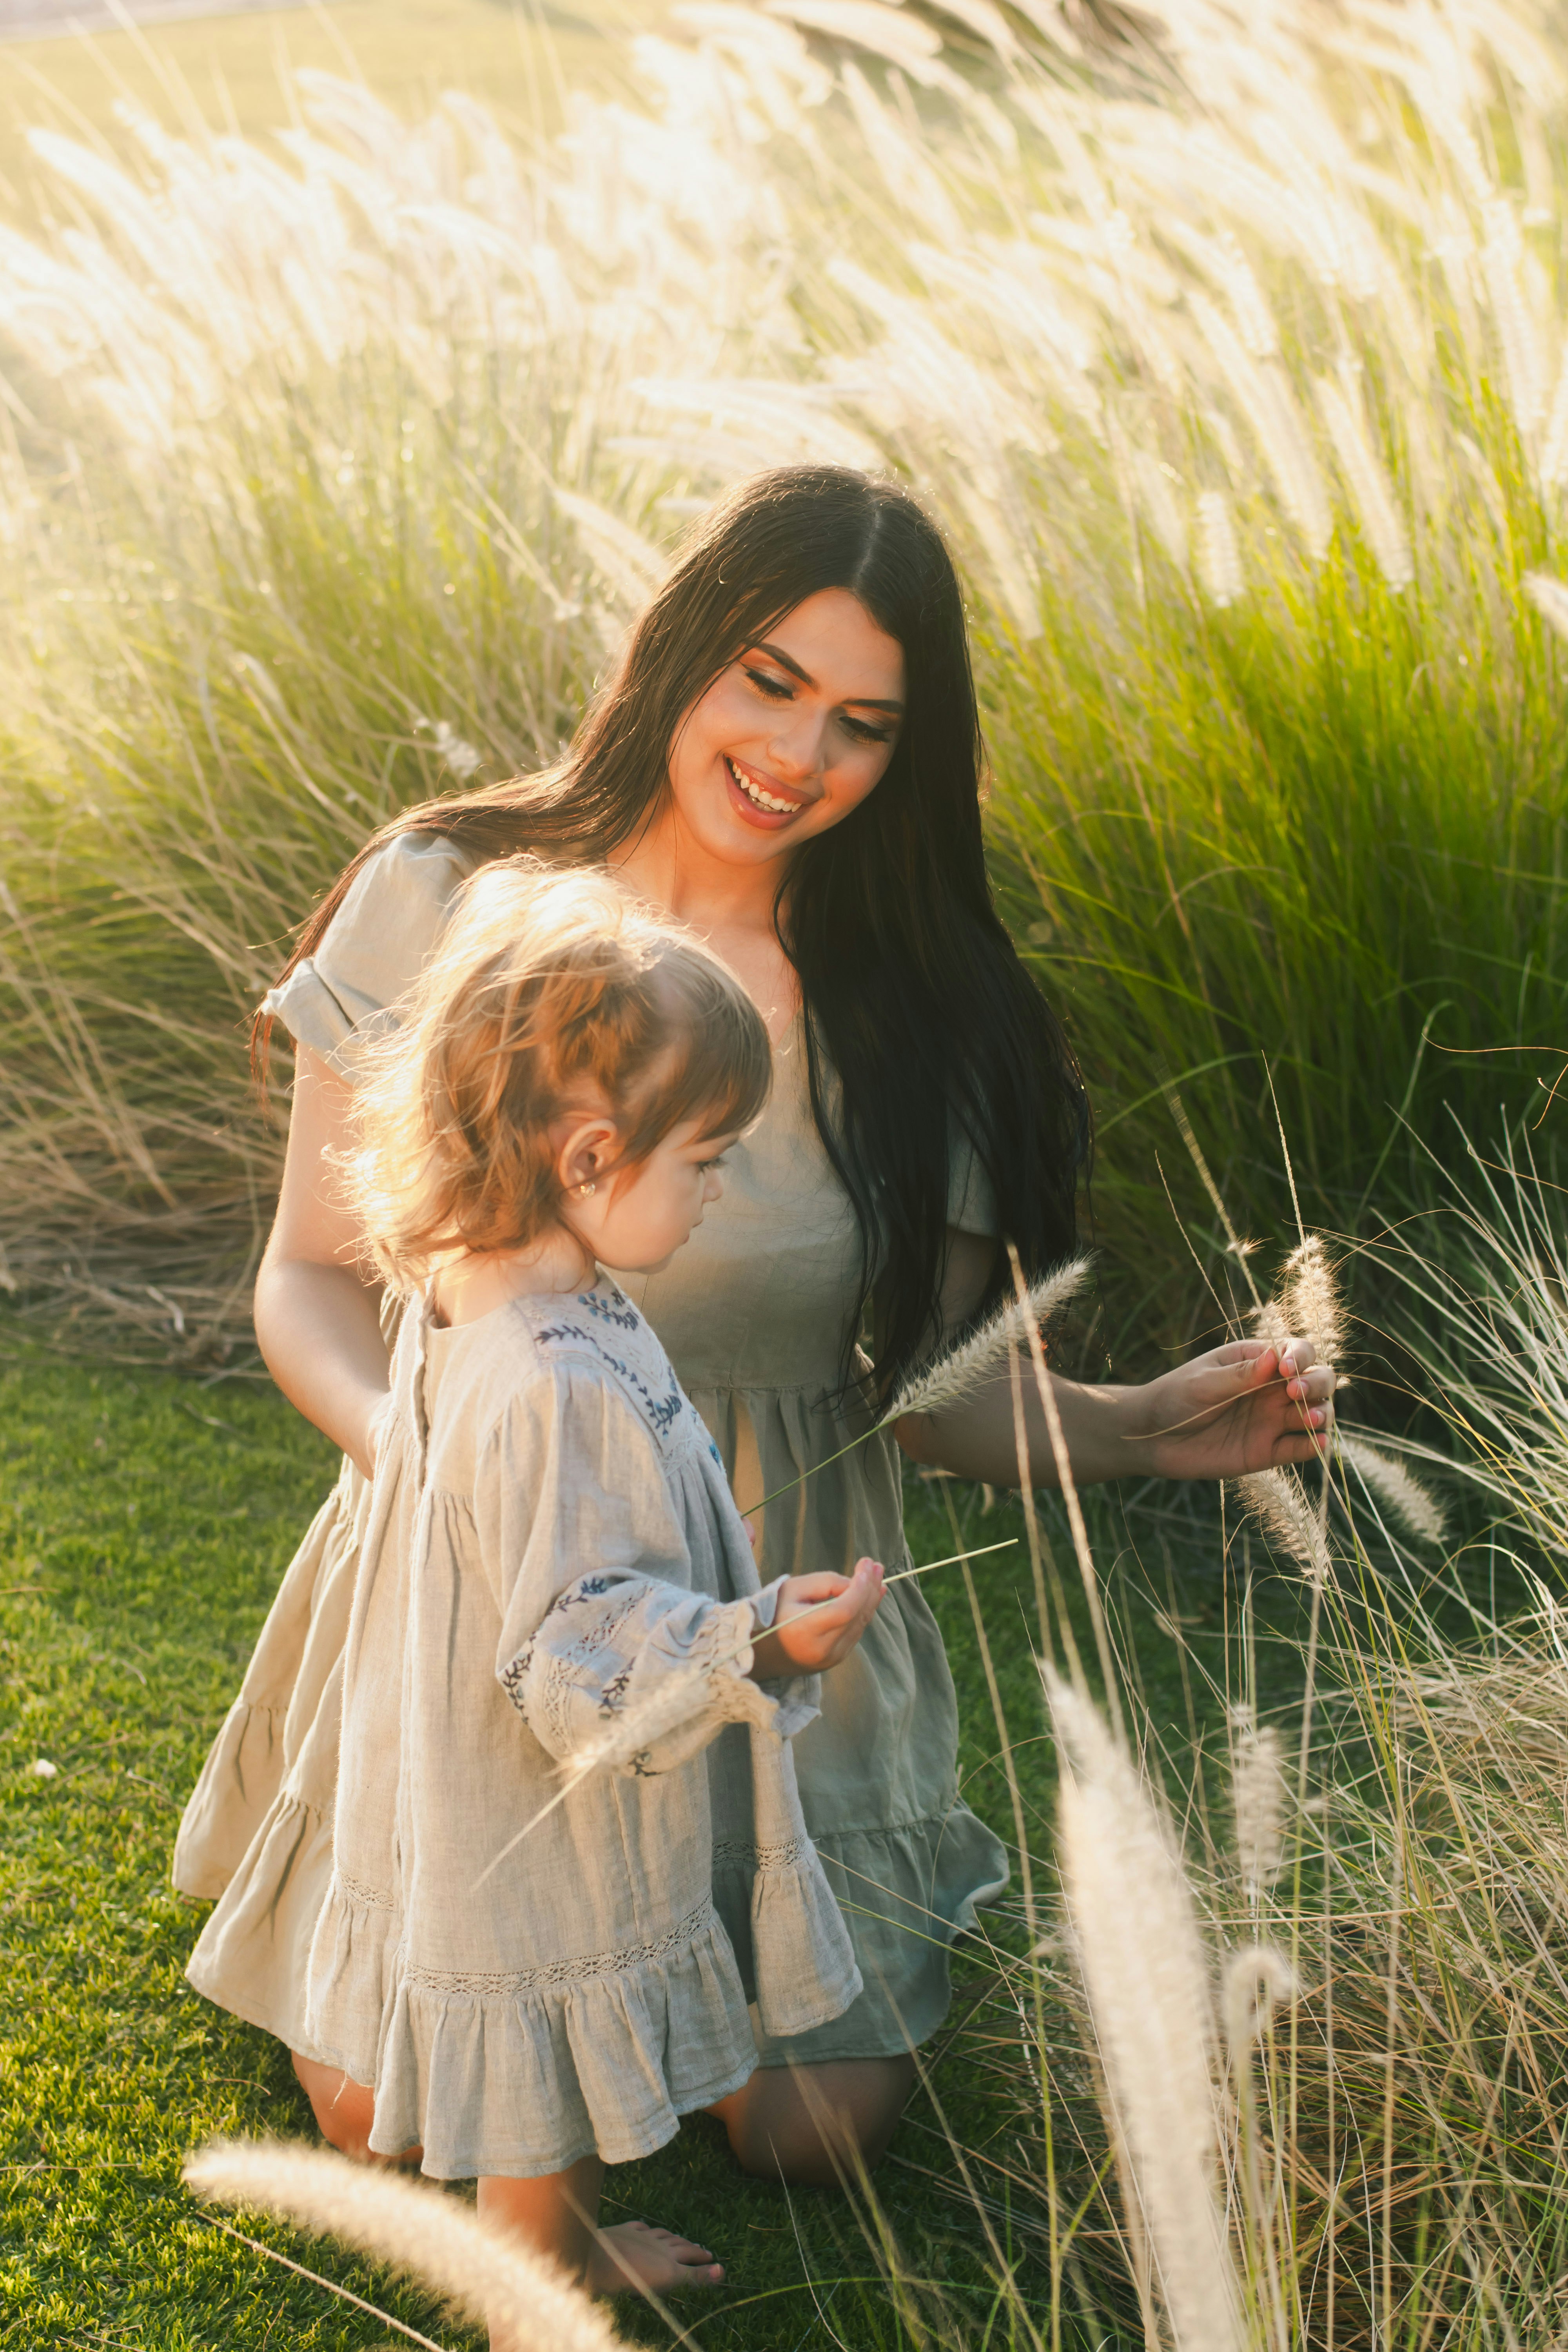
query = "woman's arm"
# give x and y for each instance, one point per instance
(1238, 1409)
(317, 1319)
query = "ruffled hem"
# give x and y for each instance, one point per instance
(349, 1977)
(523, 2073)
(907, 1891)
(283, 1726)
(251, 1956)
(794, 1952)
(239, 1783)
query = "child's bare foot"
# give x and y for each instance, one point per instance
(634, 2258)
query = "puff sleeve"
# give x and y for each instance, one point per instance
(376, 947)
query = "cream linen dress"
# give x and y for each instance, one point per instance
(526, 1968)
(755, 1311)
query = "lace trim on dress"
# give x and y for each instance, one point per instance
(556, 1973)
(354, 1890)
(738, 1853)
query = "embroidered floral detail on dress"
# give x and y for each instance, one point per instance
(625, 1317)
(588, 1588)
(662, 1413)
(614, 1691)
(512, 1677)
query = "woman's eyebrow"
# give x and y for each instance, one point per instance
(866, 701)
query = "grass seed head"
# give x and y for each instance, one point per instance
(419, 2231)
(1278, 1500)
(1393, 1485)
(1309, 1299)
(1147, 1980)
(951, 1377)
(1258, 1799)
(1257, 1981)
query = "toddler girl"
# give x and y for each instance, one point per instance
(538, 1966)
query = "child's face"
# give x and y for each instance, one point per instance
(639, 1220)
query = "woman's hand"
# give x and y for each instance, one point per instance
(1241, 1408)
(808, 1644)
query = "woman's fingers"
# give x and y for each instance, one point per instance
(1295, 1363)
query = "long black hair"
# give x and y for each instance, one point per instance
(924, 1034)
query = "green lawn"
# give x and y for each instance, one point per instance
(145, 1522)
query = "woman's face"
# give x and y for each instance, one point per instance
(793, 735)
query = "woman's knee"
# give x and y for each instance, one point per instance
(818, 2125)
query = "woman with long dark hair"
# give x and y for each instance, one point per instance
(788, 758)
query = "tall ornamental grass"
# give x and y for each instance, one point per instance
(1229, 351)
(1276, 2039)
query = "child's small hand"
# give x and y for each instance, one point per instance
(807, 1637)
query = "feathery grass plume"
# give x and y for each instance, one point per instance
(1257, 1795)
(1393, 1484)
(1256, 1981)
(1310, 1298)
(1555, 440)
(1549, 596)
(1219, 556)
(948, 1379)
(1147, 1980)
(1370, 485)
(1276, 1499)
(1262, 390)
(491, 2277)
(1270, 1323)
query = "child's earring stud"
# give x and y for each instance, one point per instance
(582, 1191)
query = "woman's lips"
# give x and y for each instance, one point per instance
(760, 803)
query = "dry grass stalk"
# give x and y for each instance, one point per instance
(1147, 1982)
(421, 2231)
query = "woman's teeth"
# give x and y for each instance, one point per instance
(755, 793)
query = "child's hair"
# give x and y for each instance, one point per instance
(550, 990)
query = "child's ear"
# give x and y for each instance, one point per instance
(585, 1154)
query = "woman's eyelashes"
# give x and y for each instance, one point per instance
(778, 689)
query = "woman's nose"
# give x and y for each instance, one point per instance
(796, 742)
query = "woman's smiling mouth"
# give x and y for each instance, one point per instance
(757, 795)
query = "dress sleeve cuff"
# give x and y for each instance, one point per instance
(310, 1012)
(765, 1605)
